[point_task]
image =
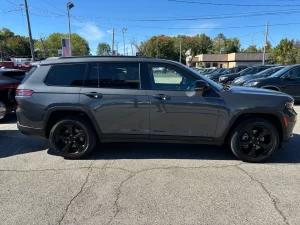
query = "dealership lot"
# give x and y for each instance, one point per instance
(145, 184)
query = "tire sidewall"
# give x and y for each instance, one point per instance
(234, 140)
(82, 124)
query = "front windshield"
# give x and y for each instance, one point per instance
(209, 81)
(246, 71)
(281, 72)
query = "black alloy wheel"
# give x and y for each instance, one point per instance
(72, 137)
(254, 140)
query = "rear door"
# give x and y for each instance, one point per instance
(112, 92)
(177, 112)
(291, 85)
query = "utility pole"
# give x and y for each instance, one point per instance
(180, 51)
(113, 42)
(44, 50)
(127, 50)
(117, 48)
(70, 5)
(265, 45)
(131, 50)
(1, 53)
(124, 30)
(29, 31)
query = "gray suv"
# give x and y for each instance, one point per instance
(75, 102)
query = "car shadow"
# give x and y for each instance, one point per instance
(12, 142)
(289, 154)
(10, 118)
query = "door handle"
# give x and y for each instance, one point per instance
(95, 95)
(161, 96)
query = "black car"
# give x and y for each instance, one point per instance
(215, 76)
(228, 78)
(265, 73)
(286, 80)
(9, 81)
(76, 101)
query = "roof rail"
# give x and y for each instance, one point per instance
(95, 56)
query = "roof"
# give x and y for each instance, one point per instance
(84, 59)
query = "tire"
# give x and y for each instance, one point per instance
(72, 137)
(251, 147)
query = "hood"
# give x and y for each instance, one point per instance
(230, 75)
(261, 79)
(257, 91)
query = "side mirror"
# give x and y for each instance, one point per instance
(200, 85)
(287, 76)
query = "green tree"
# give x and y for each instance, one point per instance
(103, 49)
(219, 43)
(232, 45)
(252, 48)
(286, 52)
(52, 44)
(161, 47)
(14, 45)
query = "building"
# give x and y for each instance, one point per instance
(229, 60)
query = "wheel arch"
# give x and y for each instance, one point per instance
(54, 114)
(270, 117)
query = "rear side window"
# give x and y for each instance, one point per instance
(66, 75)
(113, 75)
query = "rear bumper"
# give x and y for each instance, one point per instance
(30, 131)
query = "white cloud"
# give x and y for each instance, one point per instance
(201, 28)
(89, 31)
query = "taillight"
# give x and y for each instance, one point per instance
(13, 86)
(22, 92)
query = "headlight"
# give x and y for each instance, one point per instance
(251, 84)
(289, 105)
(223, 78)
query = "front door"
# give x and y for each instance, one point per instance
(176, 112)
(112, 92)
(291, 85)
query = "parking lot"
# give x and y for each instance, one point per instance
(145, 184)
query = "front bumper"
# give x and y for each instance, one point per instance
(30, 131)
(290, 120)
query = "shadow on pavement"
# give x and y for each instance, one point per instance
(10, 118)
(12, 142)
(115, 151)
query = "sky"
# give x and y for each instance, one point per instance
(94, 19)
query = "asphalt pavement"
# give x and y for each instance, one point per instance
(145, 184)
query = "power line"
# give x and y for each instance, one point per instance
(55, 6)
(230, 4)
(11, 2)
(271, 39)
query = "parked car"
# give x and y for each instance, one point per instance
(228, 78)
(9, 81)
(215, 77)
(76, 101)
(265, 73)
(286, 80)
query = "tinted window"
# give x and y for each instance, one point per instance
(92, 79)
(66, 75)
(169, 77)
(113, 75)
(295, 73)
(17, 75)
